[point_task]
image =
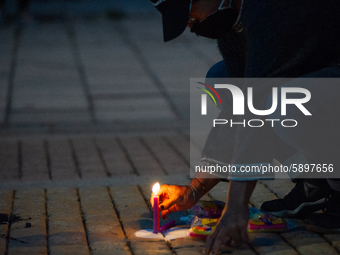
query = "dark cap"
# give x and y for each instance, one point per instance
(175, 14)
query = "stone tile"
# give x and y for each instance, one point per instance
(119, 77)
(219, 192)
(260, 195)
(116, 161)
(63, 205)
(9, 161)
(128, 88)
(179, 244)
(6, 200)
(60, 117)
(281, 187)
(103, 236)
(334, 240)
(107, 56)
(105, 245)
(141, 158)
(4, 82)
(66, 233)
(27, 250)
(50, 34)
(48, 101)
(133, 109)
(39, 71)
(138, 210)
(170, 160)
(65, 225)
(69, 250)
(270, 243)
(182, 104)
(51, 55)
(34, 161)
(178, 89)
(181, 144)
(61, 160)
(2, 116)
(150, 247)
(30, 206)
(308, 243)
(88, 159)
(99, 33)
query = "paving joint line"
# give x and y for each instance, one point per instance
(121, 29)
(13, 65)
(126, 240)
(287, 242)
(19, 145)
(72, 36)
(330, 243)
(173, 147)
(101, 157)
(48, 158)
(127, 156)
(10, 222)
(122, 95)
(272, 191)
(47, 224)
(74, 157)
(83, 220)
(153, 155)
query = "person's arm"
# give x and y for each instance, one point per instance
(234, 220)
(203, 183)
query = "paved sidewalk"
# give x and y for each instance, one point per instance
(93, 112)
(98, 75)
(89, 195)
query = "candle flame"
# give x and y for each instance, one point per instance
(156, 188)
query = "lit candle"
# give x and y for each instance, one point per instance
(155, 190)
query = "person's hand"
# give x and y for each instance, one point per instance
(232, 227)
(174, 198)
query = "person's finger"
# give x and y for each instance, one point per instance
(167, 204)
(210, 241)
(172, 209)
(219, 240)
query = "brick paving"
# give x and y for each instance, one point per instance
(113, 76)
(93, 112)
(95, 210)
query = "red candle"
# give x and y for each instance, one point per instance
(155, 190)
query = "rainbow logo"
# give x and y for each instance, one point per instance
(208, 92)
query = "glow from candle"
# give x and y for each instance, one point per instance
(156, 188)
